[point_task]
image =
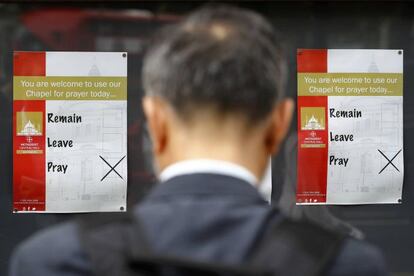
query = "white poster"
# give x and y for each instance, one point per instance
(350, 126)
(70, 132)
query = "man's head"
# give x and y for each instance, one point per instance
(213, 85)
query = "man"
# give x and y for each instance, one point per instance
(215, 112)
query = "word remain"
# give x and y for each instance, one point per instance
(333, 113)
(51, 118)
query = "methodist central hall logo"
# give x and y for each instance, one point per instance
(29, 123)
(312, 118)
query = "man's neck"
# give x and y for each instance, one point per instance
(238, 155)
(209, 166)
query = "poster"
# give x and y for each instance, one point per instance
(350, 126)
(69, 132)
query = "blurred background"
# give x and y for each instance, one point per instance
(127, 26)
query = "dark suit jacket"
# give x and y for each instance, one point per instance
(203, 216)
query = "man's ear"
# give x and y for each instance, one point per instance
(154, 110)
(280, 120)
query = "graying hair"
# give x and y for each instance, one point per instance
(224, 58)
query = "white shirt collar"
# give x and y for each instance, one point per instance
(207, 166)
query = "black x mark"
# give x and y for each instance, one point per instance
(389, 161)
(112, 168)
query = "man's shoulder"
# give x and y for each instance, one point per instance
(358, 258)
(49, 251)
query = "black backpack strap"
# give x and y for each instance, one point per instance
(296, 248)
(170, 265)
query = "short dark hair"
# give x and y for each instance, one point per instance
(220, 57)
